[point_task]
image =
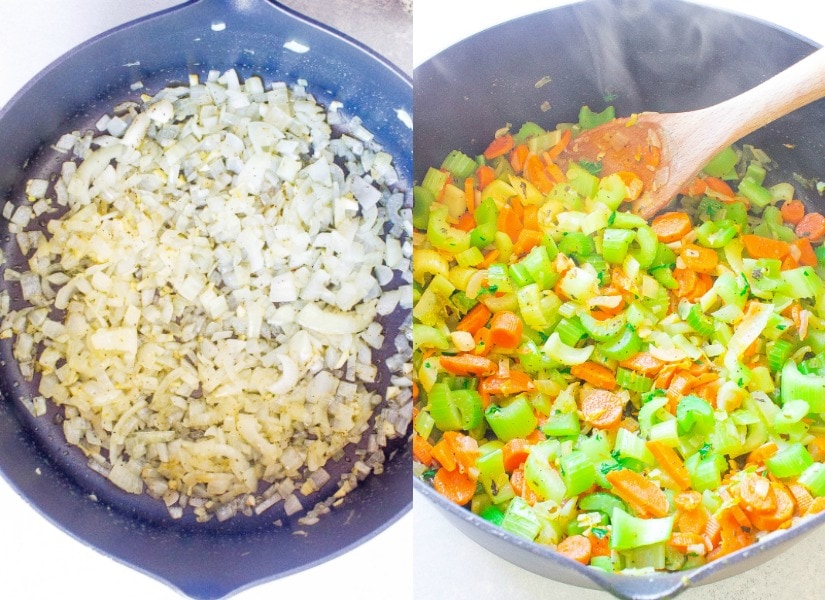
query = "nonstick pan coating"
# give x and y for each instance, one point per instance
(210, 561)
(638, 55)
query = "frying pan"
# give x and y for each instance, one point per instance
(214, 560)
(638, 55)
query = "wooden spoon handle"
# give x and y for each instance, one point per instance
(793, 88)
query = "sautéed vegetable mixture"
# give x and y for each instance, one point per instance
(637, 395)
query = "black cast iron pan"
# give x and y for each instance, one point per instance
(658, 55)
(208, 560)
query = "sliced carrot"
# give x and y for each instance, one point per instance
(670, 462)
(600, 546)
(802, 496)
(497, 385)
(762, 247)
(699, 259)
(422, 450)
(681, 540)
(536, 174)
(576, 547)
(817, 506)
(454, 485)
(475, 319)
(468, 364)
(817, 449)
(719, 186)
(559, 146)
(515, 452)
(703, 283)
(644, 495)
(643, 363)
(518, 157)
(531, 217)
(633, 184)
(499, 146)
(595, 374)
(527, 240)
(486, 175)
(696, 187)
(807, 256)
(489, 259)
(464, 447)
(556, 173)
(443, 453)
(506, 328)
(693, 521)
(679, 386)
(466, 222)
(470, 194)
(671, 226)
(602, 409)
(783, 512)
(509, 222)
(788, 263)
(792, 211)
(517, 480)
(811, 226)
(756, 494)
(760, 454)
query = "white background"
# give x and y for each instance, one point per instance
(448, 565)
(37, 560)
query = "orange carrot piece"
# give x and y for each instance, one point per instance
(703, 283)
(475, 319)
(670, 462)
(506, 328)
(719, 186)
(454, 485)
(595, 374)
(699, 259)
(688, 500)
(762, 247)
(468, 364)
(499, 146)
(643, 363)
(645, 496)
(497, 385)
(600, 545)
(671, 226)
(633, 184)
(802, 496)
(486, 175)
(576, 547)
(693, 521)
(788, 263)
(756, 494)
(792, 211)
(679, 386)
(527, 240)
(422, 450)
(682, 539)
(470, 194)
(489, 259)
(466, 222)
(559, 146)
(509, 222)
(443, 453)
(556, 173)
(817, 506)
(536, 174)
(602, 409)
(817, 449)
(807, 256)
(518, 157)
(530, 217)
(515, 452)
(464, 447)
(696, 187)
(784, 509)
(811, 226)
(760, 454)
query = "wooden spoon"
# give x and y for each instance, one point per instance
(667, 150)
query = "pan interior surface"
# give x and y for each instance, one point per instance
(208, 560)
(642, 55)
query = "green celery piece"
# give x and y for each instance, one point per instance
(486, 217)
(459, 164)
(722, 163)
(797, 386)
(520, 519)
(582, 181)
(562, 425)
(527, 130)
(543, 478)
(647, 242)
(602, 330)
(576, 243)
(493, 514)
(603, 502)
(429, 337)
(612, 191)
(616, 243)
(625, 345)
(514, 420)
(577, 472)
(589, 119)
(491, 464)
(813, 478)
(790, 461)
(694, 415)
(444, 236)
(630, 532)
(759, 196)
(422, 201)
(454, 410)
(756, 173)
(434, 181)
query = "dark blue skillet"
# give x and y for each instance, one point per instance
(657, 55)
(209, 560)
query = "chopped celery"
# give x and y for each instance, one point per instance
(513, 420)
(722, 163)
(632, 532)
(589, 119)
(459, 164)
(519, 519)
